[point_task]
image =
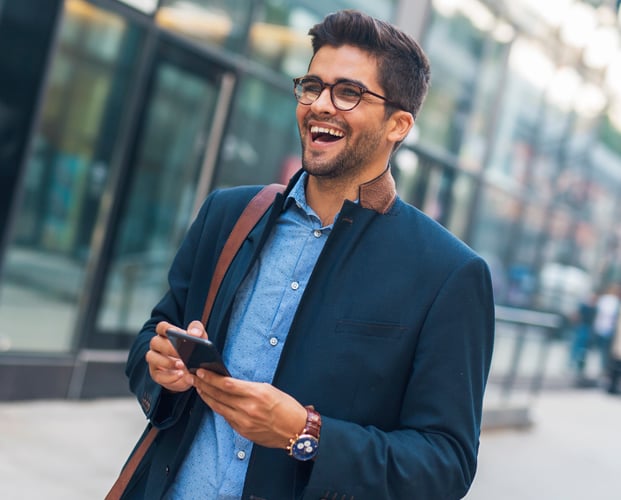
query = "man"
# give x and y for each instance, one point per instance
(348, 316)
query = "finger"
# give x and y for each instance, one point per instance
(210, 388)
(206, 382)
(162, 326)
(234, 387)
(197, 329)
(174, 380)
(161, 361)
(213, 398)
(164, 368)
(163, 346)
(161, 343)
(163, 355)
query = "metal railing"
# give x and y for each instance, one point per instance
(525, 324)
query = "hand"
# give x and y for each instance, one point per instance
(258, 411)
(165, 366)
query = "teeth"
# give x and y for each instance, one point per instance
(322, 130)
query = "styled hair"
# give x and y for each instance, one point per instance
(403, 67)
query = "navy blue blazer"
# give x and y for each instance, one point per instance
(391, 343)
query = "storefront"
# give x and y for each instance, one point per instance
(130, 112)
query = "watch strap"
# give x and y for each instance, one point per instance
(312, 428)
(313, 422)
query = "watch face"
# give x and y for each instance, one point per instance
(305, 447)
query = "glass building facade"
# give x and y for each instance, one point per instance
(129, 113)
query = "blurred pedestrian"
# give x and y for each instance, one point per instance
(582, 335)
(614, 361)
(605, 321)
(614, 358)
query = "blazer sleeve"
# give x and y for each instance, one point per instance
(433, 454)
(161, 407)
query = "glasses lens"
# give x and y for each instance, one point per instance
(307, 90)
(346, 95)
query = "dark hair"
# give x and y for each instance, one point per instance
(403, 67)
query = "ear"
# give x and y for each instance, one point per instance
(399, 124)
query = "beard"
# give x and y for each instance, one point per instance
(349, 161)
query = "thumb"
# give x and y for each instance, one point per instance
(196, 329)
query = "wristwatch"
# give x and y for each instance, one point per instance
(304, 446)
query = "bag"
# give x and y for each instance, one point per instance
(247, 220)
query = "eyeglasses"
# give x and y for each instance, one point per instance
(345, 95)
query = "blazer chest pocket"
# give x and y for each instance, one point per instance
(370, 329)
(367, 366)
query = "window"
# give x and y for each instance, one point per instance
(65, 178)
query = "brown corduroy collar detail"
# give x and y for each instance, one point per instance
(378, 194)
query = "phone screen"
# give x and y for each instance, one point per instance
(197, 352)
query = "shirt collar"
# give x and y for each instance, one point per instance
(297, 194)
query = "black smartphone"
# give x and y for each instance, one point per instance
(197, 352)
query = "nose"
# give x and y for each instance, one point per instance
(323, 104)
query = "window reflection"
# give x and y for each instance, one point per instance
(271, 32)
(219, 22)
(441, 191)
(462, 59)
(498, 213)
(146, 6)
(262, 144)
(65, 178)
(159, 203)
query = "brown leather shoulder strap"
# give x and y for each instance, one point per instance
(118, 488)
(247, 220)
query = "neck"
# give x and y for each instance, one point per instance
(326, 197)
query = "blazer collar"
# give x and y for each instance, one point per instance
(378, 194)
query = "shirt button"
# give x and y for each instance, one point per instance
(295, 285)
(273, 341)
(241, 454)
(317, 233)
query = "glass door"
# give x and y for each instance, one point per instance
(169, 161)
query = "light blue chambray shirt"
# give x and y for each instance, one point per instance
(216, 463)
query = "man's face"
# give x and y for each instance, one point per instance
(344, 144)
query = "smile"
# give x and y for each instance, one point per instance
(325, 134)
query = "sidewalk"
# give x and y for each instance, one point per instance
(69, 450)
(73, 450)
(571, 452)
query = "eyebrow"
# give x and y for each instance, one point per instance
(338, 80)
